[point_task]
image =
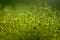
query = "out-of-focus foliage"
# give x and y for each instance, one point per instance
(54, 3)
(13, 3)
(30, 22)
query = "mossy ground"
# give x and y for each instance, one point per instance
(29, 23)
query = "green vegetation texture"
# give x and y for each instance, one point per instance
(29, 22)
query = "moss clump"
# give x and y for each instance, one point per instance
(27, 24)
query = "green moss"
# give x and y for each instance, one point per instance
(27, 24)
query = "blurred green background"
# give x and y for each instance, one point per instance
(29, 20)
